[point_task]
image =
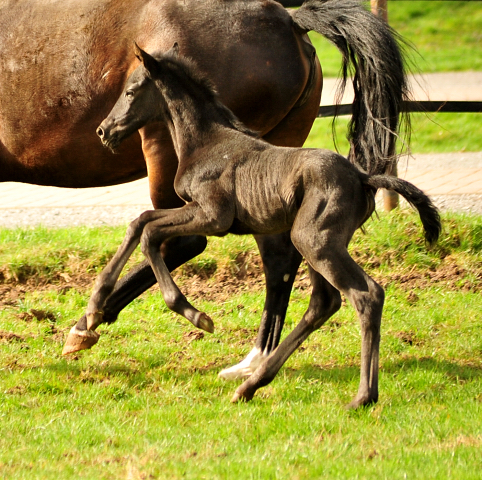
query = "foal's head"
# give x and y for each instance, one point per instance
(151, 92)
(140, 102)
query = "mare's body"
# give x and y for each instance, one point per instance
(233, 181)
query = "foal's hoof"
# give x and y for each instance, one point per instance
(204, 322)
(80, 340)
(241, 396)
(245, 368)
(360, 402)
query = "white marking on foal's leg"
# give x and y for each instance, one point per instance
(245, 368)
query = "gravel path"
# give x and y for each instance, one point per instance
(70, 216)
(446, 86)
(121, 215)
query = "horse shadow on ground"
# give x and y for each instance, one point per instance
(135, 370)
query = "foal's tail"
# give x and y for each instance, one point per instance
(369, 48)
(426, 209)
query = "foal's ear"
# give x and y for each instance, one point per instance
(147, 60)
(174, 50)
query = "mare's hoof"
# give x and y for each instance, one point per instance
(204, 322)
(80, 340)
(245, 368)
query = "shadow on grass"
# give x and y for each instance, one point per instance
(138, 375)
(454, 369)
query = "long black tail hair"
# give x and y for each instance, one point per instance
(369, 48)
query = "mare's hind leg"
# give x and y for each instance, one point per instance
(325, 301)
(280, 262)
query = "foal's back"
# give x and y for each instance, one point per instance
(269, 184)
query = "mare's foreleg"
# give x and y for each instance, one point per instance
(325, 301)
(280, 262)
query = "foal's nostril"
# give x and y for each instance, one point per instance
(100, 132)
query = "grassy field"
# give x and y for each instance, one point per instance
(446, 36)
(146, 402)
(431, 133)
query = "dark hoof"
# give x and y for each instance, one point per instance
(360, 402)
(80, 340)
(241, 396)
(204, 322)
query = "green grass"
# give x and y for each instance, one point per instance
(446, 34)
(146, 402)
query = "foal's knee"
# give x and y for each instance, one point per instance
(150, 239)
(136, 227)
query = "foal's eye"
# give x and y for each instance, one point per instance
(129, 93)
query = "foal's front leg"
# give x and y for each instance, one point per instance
(188, 220)
(106, 281)
(103, 287)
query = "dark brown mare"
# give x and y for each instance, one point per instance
(234, 182)
(63, 64)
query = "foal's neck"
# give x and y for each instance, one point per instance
(195, 116)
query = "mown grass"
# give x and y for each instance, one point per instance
(146, 402)
(430, 133)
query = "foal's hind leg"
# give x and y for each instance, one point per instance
(280, 262)
(332, 260)
(325, 301)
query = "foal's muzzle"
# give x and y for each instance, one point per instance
(108, 139)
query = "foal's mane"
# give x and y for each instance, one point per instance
(188, 68)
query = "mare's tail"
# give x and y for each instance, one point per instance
(426, 209)
(368, 47)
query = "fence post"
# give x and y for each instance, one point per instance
(390, 199)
